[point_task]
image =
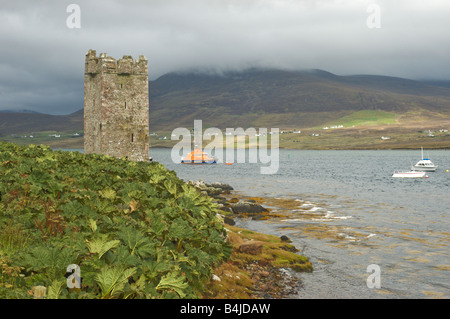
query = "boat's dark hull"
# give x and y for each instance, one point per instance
(197, 163)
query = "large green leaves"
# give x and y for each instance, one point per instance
(135, 229)
(100, 246)
(173, 281)
(57, 289)
(112, 280)
(137, 242)
(52, 261)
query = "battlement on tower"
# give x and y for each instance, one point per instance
(107, 64)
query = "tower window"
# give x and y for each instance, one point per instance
(125, 105)
(132, 137)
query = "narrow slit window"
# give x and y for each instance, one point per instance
(125, 105)
(132, 137)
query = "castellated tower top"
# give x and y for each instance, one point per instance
(116, 106)
(107, 64)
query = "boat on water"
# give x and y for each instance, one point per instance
(409, 174)
(424, 165)
(198, 157)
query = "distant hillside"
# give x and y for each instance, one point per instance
(445, 84)
(274, 98)
(265, 98)
(16, 123)
(19, 111)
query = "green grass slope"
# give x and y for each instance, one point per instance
(364, 118)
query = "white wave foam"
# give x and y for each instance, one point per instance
(322, 219)
(346, 236)
(329, 214)
(292, 220)
(342, 217)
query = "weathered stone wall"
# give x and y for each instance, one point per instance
(116, 118)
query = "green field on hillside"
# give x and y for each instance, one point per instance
(365, 117)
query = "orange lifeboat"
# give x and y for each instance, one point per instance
(198, 157)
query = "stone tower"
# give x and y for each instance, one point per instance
(116, 106)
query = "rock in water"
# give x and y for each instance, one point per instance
(230, 221)
(248, 208)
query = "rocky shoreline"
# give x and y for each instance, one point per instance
(261, 266)
(233, 206)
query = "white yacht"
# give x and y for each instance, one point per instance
(424, 165)
(409, 174)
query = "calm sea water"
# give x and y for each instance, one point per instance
(352, 214)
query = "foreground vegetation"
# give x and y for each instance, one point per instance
(134, 229)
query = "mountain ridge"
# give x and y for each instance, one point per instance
(261, 97)
(278, 97)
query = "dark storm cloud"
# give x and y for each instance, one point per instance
(42, 60)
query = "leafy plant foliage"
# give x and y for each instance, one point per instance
(135, 229)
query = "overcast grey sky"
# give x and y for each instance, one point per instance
(42, 59)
